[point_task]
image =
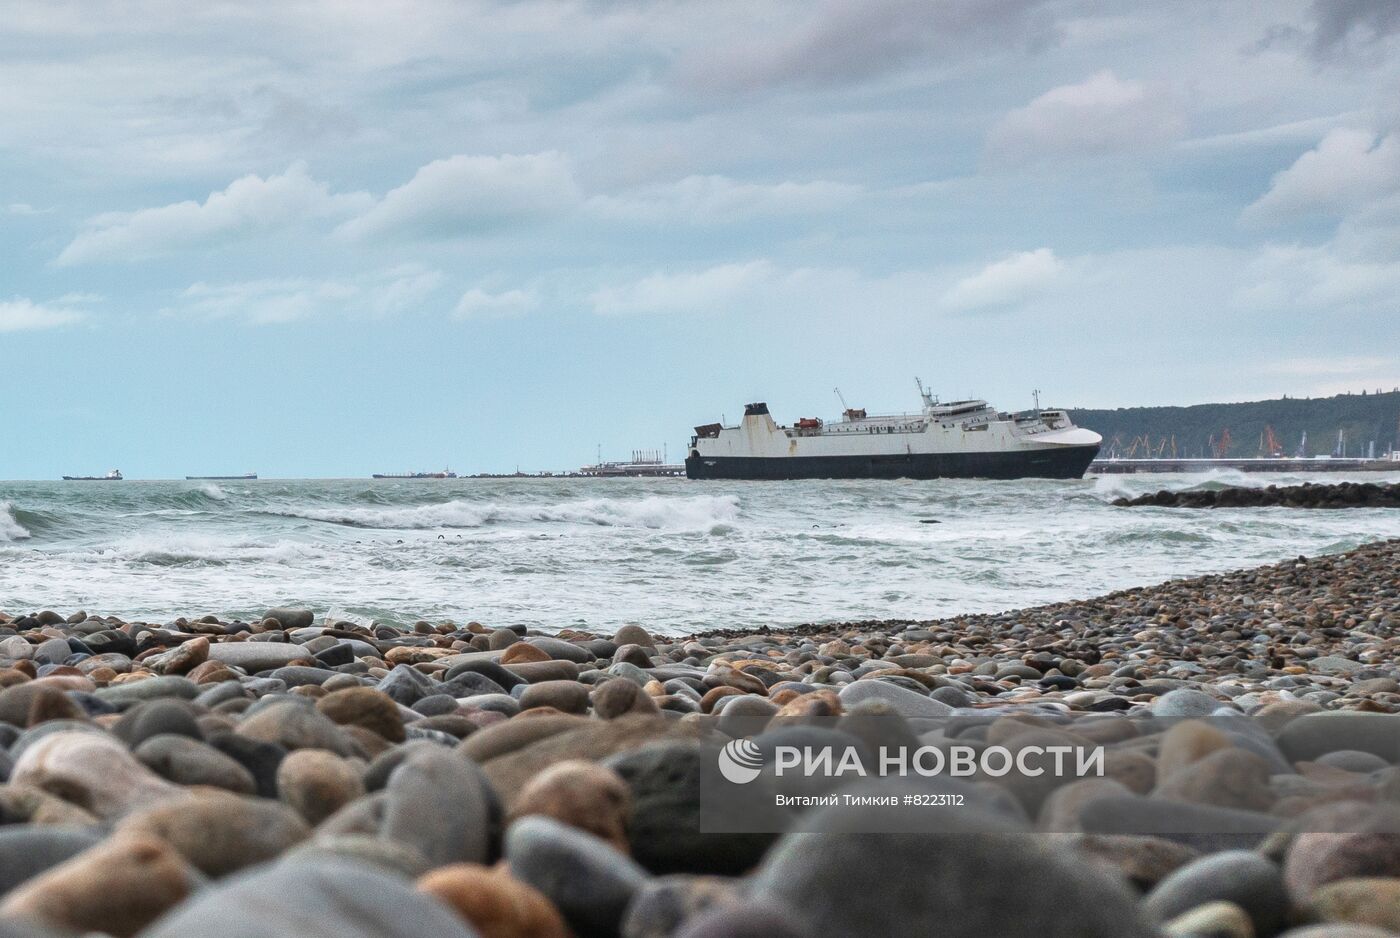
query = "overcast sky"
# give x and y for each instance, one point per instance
(311, 238)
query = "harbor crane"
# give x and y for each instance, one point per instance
(1219, 449)
(1269, 444)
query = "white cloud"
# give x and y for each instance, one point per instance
(21, 314)
(247, 205)
(23, 208)
(464, 195)
(1347, 169)
(1007, 281)
(1289, 133)
(1318, 279)
(281, 300)
(269, 300)
(703, 291)
(400, 289)
(760, 287)
(477, 303)
(719, 199)
(1100, 116)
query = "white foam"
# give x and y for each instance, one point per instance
(167, 548)
(213, 491)
(11, 529)
(1112, 485)
(701, 512)
(678, 557)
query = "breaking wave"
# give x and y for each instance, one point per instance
(677, 557)
(697, 513)
(194, 550)
(10, 528)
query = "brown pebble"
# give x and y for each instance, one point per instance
(808, 708)
(563, 696)
(515, 734)
(366, 707)
(219, 832)
(211, 672)
(1371, 900)
(1227, 778)
(187, 656)
(785, 696)
(523, 653)
(316, 783)
(617, 697)
(117, 888)
(1188, 742)
(494, 903)
(50, 703)
(707, 702)
(586, 795)
(1134, 770)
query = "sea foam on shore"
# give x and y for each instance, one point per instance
(594, 554)
(234, 778)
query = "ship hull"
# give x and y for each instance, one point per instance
(1061, 462)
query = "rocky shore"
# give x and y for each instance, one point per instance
(1307, 495)
(289, 777)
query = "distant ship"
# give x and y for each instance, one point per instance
(247, 476)
(414, 475)
(645, 464)
(958, 439)
(114, 476)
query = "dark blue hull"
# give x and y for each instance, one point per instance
(1066, 462)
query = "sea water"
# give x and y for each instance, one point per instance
(675, 555)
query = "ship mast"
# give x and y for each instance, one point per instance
(929, 399)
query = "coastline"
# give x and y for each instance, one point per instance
(1261, 607)
(224, 778)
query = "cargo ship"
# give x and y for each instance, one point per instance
(444, 474)
(956, 439)
(114, 476)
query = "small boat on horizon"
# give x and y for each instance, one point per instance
(114, 476)
(246, 477)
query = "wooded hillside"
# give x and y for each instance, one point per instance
(1198, 430)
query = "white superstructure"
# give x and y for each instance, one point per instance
(956, 438)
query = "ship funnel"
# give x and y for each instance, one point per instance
(758, 420)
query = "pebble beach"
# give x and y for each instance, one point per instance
(296, 776)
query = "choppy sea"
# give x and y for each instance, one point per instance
(674, 555)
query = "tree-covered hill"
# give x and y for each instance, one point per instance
(1199, 429)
